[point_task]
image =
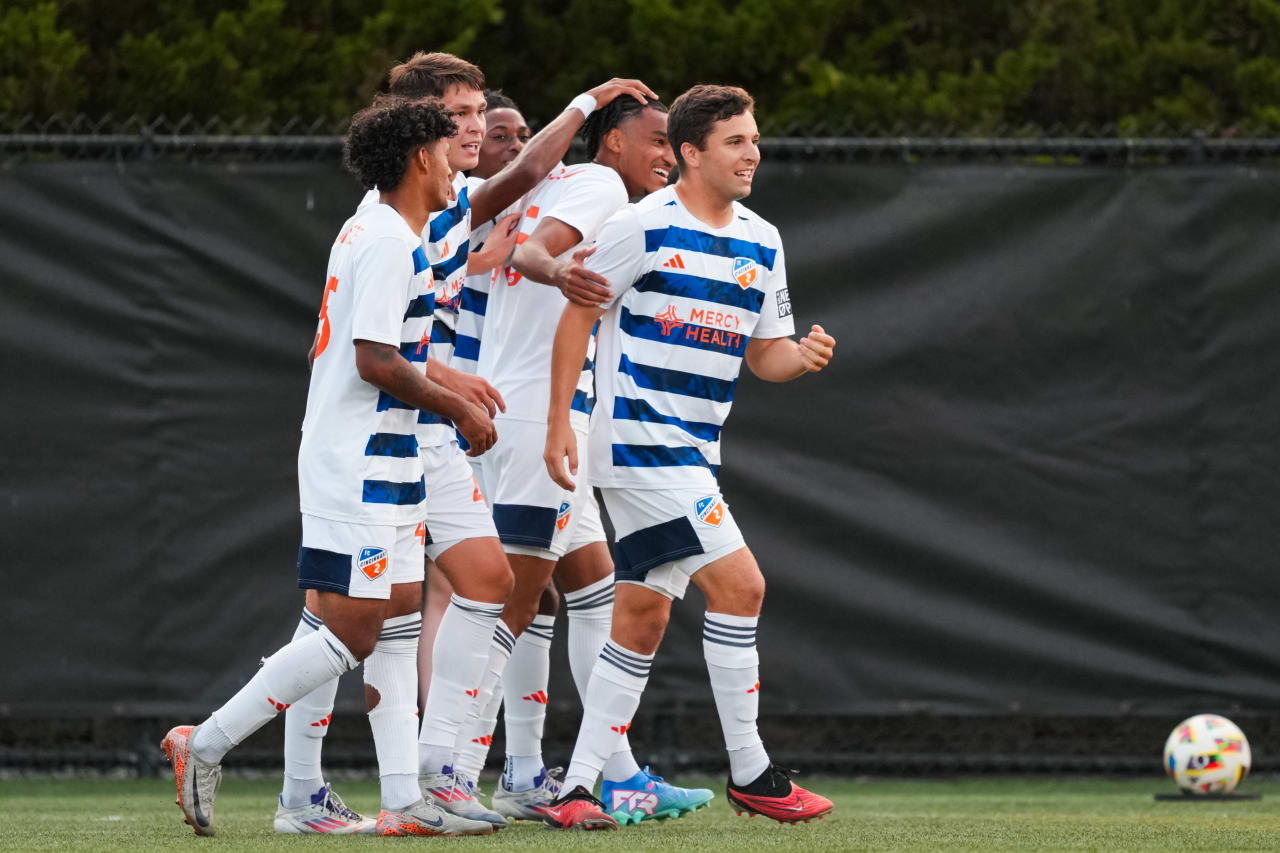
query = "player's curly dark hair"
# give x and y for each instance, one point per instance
(382, 135)
(610, 116)
(496, 99)
(694, 113)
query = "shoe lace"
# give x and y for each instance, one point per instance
(652, 777)
(333, 803)
(459, 782)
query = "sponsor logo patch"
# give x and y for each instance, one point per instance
(745, 270)
(634, 801)
(709, 510)
(668, 320)
(784, 303)
(373, 562)
(562, 516)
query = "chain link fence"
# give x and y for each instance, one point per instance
(26, 137)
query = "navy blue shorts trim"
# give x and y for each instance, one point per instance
(326, 570)
(520, 524)
(650, 547)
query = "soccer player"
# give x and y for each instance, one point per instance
(360, 479)
(698, 284)
(543, 527)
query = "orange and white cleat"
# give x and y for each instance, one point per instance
(423, 818)
(197, 780)
(774, 795)
(577, 810)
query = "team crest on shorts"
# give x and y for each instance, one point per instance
(373, 562)
(709, 510)
(562, 516)
(744, 270)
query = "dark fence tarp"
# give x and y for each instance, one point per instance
(1040, 477)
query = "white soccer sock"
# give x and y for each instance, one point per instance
(476, 732)
(305, 725)
(590, 618)
(729, 643)
(285, 677)
(458, 664)
(392, 673)
(617, 682)
(524, 687)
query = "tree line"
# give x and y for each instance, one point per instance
(826, 66)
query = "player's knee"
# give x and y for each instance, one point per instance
(751, 594)
(360, 643)
(549, 601)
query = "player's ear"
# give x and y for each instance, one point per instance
(613, 140)
(690, 153)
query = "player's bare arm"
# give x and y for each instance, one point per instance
(472, 388)
(383, 367)
(573, 334)
(496, 249)
(536, 259)
(546, 149)
(784, 359)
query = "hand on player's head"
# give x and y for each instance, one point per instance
(607, 91)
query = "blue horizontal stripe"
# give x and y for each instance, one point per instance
(429, 418)
(677, 381)
(421, 306)
(582, 402)
(386, 401)
(467, 347)
(657, 456)
(450, 265)
(706, 289)
(400, 494)
(442, 334)
(475, 301)
(414, 351)
(685, 335)
(442, 223)
(419, 260)
(673, 237)
(392, 444)
(627, 409)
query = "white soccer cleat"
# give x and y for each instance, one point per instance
(527, 805)
(197, 780)
(423, 818)
(451, 792)
(326, 814)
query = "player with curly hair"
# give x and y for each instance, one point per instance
(361, 486)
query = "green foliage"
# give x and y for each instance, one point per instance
(1007, 66)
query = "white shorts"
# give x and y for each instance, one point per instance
(533, 515)
(456, 507)
(358, 560)
(665, 535)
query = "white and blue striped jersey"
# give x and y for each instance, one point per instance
(358, 461)
(522, 315)
(687, 299)
(474, 300)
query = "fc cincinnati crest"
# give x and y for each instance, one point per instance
(562, 516)
(373, 562)
(709, 510)
(744, 270)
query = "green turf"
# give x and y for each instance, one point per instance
(1005, 814)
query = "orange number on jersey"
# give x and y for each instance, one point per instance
(322, 334)
(421, 532)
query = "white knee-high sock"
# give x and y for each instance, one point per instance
(613, 695)
(391, 673)
(476, 732)
(285, 677)
(524, 688)
(458, 664)
(305, 725)
(729, 643)
(590, 618)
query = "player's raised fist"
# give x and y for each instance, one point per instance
(606, 92)
(816, 349)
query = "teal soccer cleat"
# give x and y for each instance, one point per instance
(647, 797)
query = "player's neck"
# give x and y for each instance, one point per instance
(706, 206)
(411, 205)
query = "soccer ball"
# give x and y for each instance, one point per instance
(1207, 754)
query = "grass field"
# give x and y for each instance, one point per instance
(977, 814)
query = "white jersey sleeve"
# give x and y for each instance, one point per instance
(620, 252)
(383, 274)
(775, 312)
(596, 194)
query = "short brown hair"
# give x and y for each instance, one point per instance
(694, 112)
(429, 75)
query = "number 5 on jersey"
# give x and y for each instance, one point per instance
(322, 334)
